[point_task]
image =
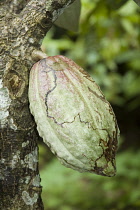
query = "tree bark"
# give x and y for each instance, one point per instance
(23, 24)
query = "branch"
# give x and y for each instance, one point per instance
(21, 34)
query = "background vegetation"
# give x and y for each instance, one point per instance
(107, 45)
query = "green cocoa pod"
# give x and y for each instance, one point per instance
(72, 116)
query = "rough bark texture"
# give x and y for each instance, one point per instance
(23, 24)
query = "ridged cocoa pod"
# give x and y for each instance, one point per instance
(72, 116)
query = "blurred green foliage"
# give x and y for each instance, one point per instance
(107, 39)
(65, 189)
(108, 47)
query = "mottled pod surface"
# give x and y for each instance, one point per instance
(72, 116)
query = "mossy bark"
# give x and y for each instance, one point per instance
(23, 24)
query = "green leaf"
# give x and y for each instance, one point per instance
(70, 17)
(137, 2)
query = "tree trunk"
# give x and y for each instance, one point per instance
(23, 24)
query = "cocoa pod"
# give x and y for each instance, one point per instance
(72, 116)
